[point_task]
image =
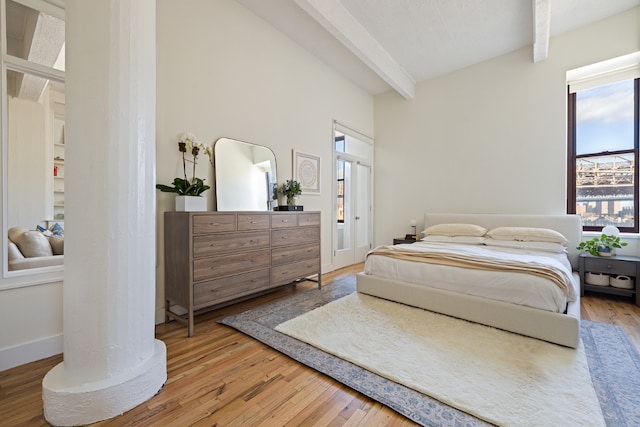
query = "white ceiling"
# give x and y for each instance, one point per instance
(383, 44)
(35, 37)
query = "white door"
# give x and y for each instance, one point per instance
(353, 189)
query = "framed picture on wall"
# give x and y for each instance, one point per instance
(306, 170)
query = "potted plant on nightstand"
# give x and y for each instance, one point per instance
(605, 245)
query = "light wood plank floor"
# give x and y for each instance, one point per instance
(221, 377)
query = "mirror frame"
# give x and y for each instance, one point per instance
(41, 275)
(215, 173)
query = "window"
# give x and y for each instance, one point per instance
(339, 141)
(603, 155)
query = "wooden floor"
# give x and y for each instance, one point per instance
(221, 377)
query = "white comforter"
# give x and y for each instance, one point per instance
(514, 287)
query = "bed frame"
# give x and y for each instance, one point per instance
(557, 328)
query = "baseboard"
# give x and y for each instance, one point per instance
(30, 352)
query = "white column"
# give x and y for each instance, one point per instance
(112, 362)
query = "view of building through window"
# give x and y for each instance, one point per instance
(605, 155)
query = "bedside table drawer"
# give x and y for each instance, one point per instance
(612, 266)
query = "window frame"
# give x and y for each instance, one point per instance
(572, 158)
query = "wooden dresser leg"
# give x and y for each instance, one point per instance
(190, 327)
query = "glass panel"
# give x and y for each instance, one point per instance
(339, 140)
(362, 216)
(604, 190)
(604, 118)
(344, 206)
(357, 148)
(35, 36)
(340, 190)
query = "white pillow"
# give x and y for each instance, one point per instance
(455, 230)
(527, 234)
(33, 244)
(465, 240)
(556, 248)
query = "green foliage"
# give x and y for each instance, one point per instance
(187, 143)
(604, 243)
(290, 188)
(185, 188)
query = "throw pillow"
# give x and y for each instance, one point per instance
(57, 244)
(57, 230)
(33, 244)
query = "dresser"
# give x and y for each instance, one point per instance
(214, 259)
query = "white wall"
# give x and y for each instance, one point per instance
(488, 138)
(224, 72)
(31, 321)
(221, 71)
(31, 316)
(29, 174)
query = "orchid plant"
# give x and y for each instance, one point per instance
(187, 143)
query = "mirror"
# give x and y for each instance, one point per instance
(245, 176)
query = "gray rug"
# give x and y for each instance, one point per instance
(613, 362)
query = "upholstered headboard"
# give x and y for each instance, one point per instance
(569, 225)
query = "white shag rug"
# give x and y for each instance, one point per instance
(500, 377)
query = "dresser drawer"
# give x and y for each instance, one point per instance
(287, 273)
(612, 266)
(225, 265)
(284, 220)
(214, 223)
(295, 236)
(253, 222)
(229, 242)
(309, 219)
(289, 254)
(228, 288)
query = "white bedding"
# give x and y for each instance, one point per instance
(523, 289)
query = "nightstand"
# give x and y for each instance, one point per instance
(613, 266)
(401, 240)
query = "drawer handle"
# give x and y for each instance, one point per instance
(253, 222)
(215, 223)
(285, 220)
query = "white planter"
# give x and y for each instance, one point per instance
(191, 204)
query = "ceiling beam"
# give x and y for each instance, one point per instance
(541, 29)
(336, 19)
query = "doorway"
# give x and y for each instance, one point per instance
(353, 226)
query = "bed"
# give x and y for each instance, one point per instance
(557, 327)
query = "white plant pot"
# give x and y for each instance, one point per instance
(191, 204)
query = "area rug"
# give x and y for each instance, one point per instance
(614, 364)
